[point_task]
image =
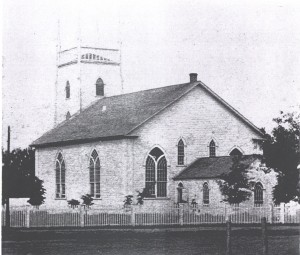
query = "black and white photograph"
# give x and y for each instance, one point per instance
(150, 127)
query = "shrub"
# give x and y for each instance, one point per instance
(128, 200)
(38, 191)
(141, 196)
(73, 203)
(87, 200)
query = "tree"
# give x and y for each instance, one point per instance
(18, 176)
(37, 192)
(235, 185)
(281, 150)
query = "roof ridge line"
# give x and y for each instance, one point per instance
(160, 110)
(133, 92)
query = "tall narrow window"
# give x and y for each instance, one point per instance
(68, 90)
(99, 87)
(68, 115)
(258, 194)
(205, 194)
(162, 177)
(212, 148)
(94, 175)
(60, 177)
(179, 190)
(180, 147)
(156, 174)
(150, 176)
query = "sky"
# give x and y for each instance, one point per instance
(248, 52)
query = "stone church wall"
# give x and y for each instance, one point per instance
(113, 160)
(88, 73)
(197, 118)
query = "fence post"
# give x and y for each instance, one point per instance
(228, 236)
(271, 213)
(81, 216)
(132, 216)
(264, 235)
(181, 214)
(27, 220)
(281, 212)
(225, 211)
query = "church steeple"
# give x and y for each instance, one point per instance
(91, 74)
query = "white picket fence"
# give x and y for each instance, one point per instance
(139, 216)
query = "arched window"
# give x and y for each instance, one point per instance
(68, 90)
(236, 152)
(179, 190)
(205, 194)
(258, 194)
(156, 174)
(68, 115)
(60, 177)
(180, 148)
(212, 148)
(99, 87)
(94, 175)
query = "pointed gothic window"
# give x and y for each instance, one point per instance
(179, 193)
(99, 87)
(180, 148)
(205, 194)
(156, 174)
(60, 177)
(236, 152)
(94, 175)
(212, 148)
(68, 115)
(68, 90)
(258, 194)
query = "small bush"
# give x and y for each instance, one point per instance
(141, 196)
(194, 203)
(87, 200)
(128, 200)
(73, 203)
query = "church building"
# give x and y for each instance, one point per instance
(174, 141)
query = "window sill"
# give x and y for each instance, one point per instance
(181, 165)
(157, 198)
(58, 198)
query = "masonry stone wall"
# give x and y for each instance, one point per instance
(197, 118)
(193, 189)
(112, 155)
(83, 85)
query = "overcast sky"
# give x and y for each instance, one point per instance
(248, 53)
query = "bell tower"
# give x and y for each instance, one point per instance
(84, 75)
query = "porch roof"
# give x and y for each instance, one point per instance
(212, 167)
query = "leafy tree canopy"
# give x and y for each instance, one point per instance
(18, 176)
(282, 153)
(235, 186)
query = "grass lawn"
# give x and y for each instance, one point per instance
(209, 241)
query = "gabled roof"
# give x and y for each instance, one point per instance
(212, 167)
(117, 117)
